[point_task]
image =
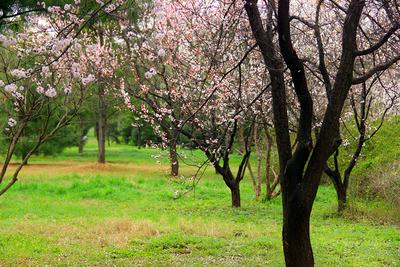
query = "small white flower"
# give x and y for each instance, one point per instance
(19, 73)
(10, 88)
(18, 96)
(67, 7)
(11, 122)
(161, 53)
(86, 80)
(67, 90)
(50, 92)
(45, 71)
(150, 73)
(2, 84)
(40, 90)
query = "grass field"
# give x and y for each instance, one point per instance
(68, 210)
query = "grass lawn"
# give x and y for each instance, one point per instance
(68, 210)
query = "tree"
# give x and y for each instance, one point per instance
(302, 170)
(183, 55)
(66, 137)
(45, 78)
(167, 65)
(366, 107)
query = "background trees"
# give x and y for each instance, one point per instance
(42, 80)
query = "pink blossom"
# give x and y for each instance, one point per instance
(40, 90)
(10, 88)
(67, 7)
(50, 92)
(86, 80)
(68, 90)
(161, 53)
(19, 73)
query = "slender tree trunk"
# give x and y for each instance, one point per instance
(82, 135)
(258, 191)
(139, 138)
(102, 124)
(254, 180)
(256, 187)
(342, 199)
(296, 236)
(269, 190)
(173, 155)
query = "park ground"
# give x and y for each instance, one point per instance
(69, 211)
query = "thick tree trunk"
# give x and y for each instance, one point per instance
(235, 194)
(296, 235)
(173, 155)
(102, 125)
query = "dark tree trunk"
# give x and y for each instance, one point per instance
(231, 182)
(82, 135)
(340, 188)
(102, 124)
(296, 236)
(342, 199)
(173, 156)
(303, 170)
(235, 194)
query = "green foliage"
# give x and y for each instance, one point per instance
(377, 174)
(65, 137)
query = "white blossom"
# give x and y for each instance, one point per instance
(10, 88)
(86, 80)
(11, 122)
(161, 53)
(40, 90)
(67, 90)
(50, 92)
(19, 73)
(150, 73)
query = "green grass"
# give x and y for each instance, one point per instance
(68, 210)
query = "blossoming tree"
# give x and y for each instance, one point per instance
(43, 76)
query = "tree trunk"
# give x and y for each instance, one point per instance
(102, 124)
(235, 193)
(173, 156)
(82, 135)
(258, 191)
(342, 199)
(139, 137)
(296, 235)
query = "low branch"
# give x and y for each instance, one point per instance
(381, 42)
(376, 69)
